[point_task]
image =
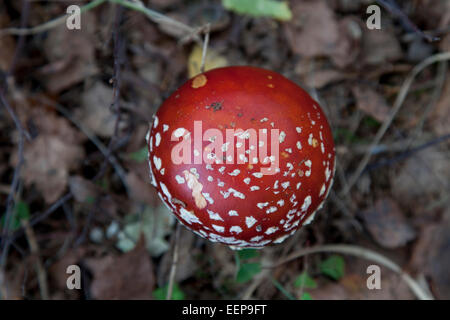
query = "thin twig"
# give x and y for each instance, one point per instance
(280, 287)
(396, 11)
(153, 15)
(120, 171)
(407, 154)
(386, 124)
(50, 24)
(119, 52)
(173, 268)
(205, 48)
(40, 270)
(4, 244)
(437, 92)
(365, 254)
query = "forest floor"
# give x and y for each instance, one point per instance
(74, 186)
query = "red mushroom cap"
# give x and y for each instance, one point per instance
(242, 156)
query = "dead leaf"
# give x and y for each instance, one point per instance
(95, 112)
(71, 55)
(58, 271)
(321, 78)
(83, 190)
(380, 47)
(354, 287)
(347, 48)
(141, 189)
(387, 224)
(371, 102)
(8, 44)
(186, 265)
(126, 276)
(313, 30)
(52, 154)
(426, 173)
(440, 119)
(431, 256)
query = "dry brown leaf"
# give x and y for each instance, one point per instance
(314, 30)
(8, 45)
(95, 112)
(380, 46)
(71, 54)
(371, 102)
(422, 175)
(48, 160)
(83, 190)
(320, 78)
(186, 265)
(431, 256)
(52, 154)
(126, 276)
(140, 188)
(387, 224)
(347, 48)
(58, 272)
(440, 119)
(354, 287)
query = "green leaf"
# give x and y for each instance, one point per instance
(345, 136)
(21, 212)
(333, 267)
(306, 296)
(245, 254)
(161, 293)
(371, 122)
(139, 156)
(247, 271)
(306, 281)
(260, 8)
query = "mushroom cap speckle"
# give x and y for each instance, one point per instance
(242, 156)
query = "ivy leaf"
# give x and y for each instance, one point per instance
(161, 293)
(247, 271)
(139, 156)
(306, 296)
(306, 281)
(245, 254)
(21, 212)
(333, 267)
(260, 8)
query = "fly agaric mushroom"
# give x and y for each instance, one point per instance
(210, 163)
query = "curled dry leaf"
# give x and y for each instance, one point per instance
(371, 102)
(96, 112)
(440, 119)
(8, 43)
(141, 189)
(126, 276)
(315, 31)
(50, 156)
(82, 189)
(387, 224)
(321, 78)
(354, 287)
(423, 175)
(380, 46)
(186, 265)
(71, 55)
(431, 256)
